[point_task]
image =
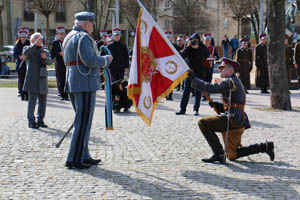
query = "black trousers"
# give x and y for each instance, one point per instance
(21, 79)
(61, 82)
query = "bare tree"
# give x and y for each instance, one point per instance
(3, 3)
(189, 16)
(280, 97)
(240, 9)
(100, 8)
(130, 10)
(46, 8)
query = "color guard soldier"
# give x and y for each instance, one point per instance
(101, 42)
(213, 55)
(83, 62)
(57, 53)
(261, 61)
(169, 35)
(233, 88)
(244, 58)
(179, 47)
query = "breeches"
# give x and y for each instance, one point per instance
(210, 125)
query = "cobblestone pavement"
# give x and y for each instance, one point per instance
(140, 162)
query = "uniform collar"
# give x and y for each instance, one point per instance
(78, 28)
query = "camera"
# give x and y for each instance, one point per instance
(194, 42)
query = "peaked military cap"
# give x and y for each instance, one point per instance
(226, 61)
(85, 16)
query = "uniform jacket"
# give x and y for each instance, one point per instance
(262, 73)
(56, 48)
(195, 59)
(238, 96)
(120, 62)
(36, 80)
(82, 77)
(244, 58)
(18, 52)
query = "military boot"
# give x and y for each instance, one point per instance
(215, 158)
(267, 147)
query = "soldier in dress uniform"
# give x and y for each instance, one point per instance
(57, 54)
(289, 60)
(244, 58)
(83, 62)
(169, 35)
(261, 61)
(297, 59)
(118, 68)
(102, 41)
(20, 61)
(213, 55)
(237, 118)
(179, 47)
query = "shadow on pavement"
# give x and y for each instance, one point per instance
(245, 186)
(262, 124)
(145, 188)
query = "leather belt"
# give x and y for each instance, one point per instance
(234, 105)
(72, 63)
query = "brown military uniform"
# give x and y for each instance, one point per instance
(238, 121)
(261, 61)
(289, 62)
(244, 58)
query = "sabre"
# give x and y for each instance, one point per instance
(65, 135)
(228, 118)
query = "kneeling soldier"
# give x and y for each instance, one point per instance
(238, 120)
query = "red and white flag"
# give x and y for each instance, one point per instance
(156, 67)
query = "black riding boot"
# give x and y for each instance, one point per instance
(267, 147)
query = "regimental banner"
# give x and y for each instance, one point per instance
(156, 68)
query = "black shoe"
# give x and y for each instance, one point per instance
(42, 124)
(180, 113)
(62, 98)
(33, 125)
(196, 113)
(117, 111)
(126, 110)
(72, 165)
(92, 161)
(247, 92)
(23, 97)
(214, 158)
(270, 150)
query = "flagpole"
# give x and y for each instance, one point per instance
(161, 33)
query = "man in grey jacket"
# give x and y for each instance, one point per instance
(36, 80)
(83, 62)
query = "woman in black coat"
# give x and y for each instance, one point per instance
(20, 61)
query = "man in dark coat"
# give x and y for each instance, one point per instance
(21, 63)
(244, 58)
(261, 61)
(195, 55)
(233, 93)
(60, 67)
(120, 63)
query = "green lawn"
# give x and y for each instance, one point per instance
(12, 66)
(51, 84)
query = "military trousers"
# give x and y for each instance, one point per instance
(218, 123)
(83, 104)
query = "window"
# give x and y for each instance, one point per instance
(28, 14)
(167, 4)
(166, 24)
(60, 15)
